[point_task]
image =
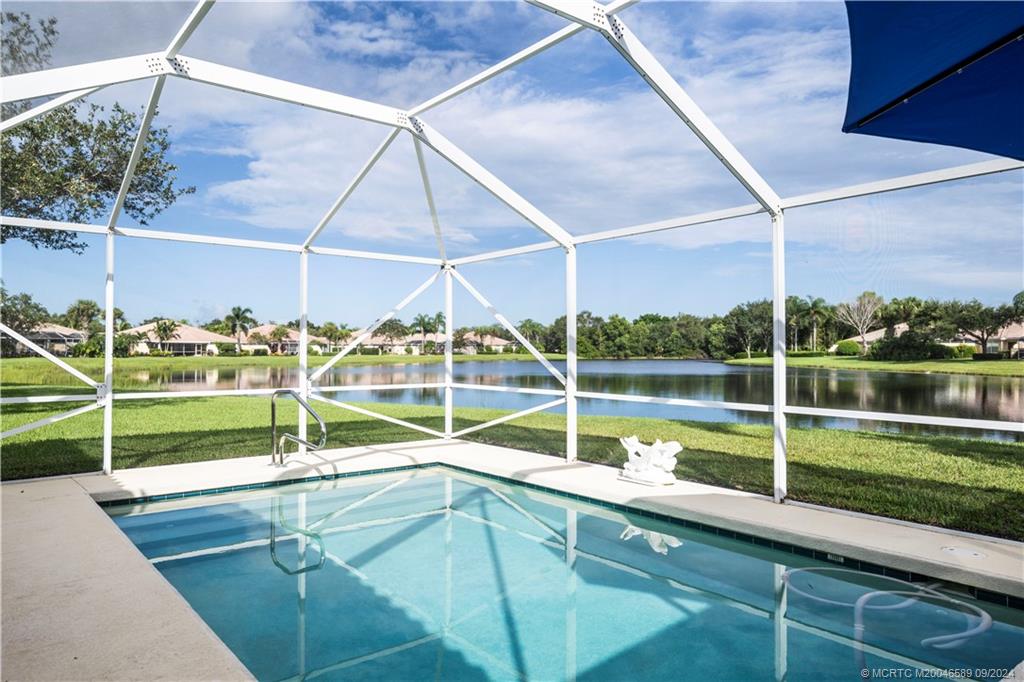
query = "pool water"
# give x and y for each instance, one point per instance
(435, 574)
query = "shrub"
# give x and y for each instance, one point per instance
(805, 353)
(742, 355)
(260, 351)
(224, 348)
(157, 353)
(964, 350)
(313, 350)
(989, 356)
(847, 347)
(911, 345)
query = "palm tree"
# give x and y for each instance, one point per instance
(796, 312)
(818, 311)
(330, 331)
(240, 321)
(278, 335)
(81, 314)
(425, 323)
(440, 325)
(165, 330)
(531, 329)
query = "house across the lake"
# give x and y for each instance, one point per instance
(1009, 339)
(872, 336)
(55, 338)
(433, 342)
(262, 337)
(187, 340)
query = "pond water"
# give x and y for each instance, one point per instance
(948, 395)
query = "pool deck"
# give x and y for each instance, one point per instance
(81, 602)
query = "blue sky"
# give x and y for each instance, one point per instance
(575, 131)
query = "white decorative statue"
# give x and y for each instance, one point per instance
(659, 542)
(650, 464)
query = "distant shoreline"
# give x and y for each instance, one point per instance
(1005, 368)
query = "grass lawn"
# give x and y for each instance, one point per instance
(1006, 368)
(967, 484)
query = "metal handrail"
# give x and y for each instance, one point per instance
(277, 507)
(277, 445)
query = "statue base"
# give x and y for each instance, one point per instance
(635, 478)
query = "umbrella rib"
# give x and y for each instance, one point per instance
(1016, 34)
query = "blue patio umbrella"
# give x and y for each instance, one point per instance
(949, 73)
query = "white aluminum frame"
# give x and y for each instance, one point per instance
(68, 84)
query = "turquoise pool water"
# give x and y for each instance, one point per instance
(433, 574)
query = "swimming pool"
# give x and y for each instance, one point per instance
(437, 574)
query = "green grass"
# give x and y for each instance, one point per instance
(967, 484)
(1005, 368)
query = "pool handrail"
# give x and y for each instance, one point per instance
(277, 445)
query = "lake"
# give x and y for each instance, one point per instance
(949, 395)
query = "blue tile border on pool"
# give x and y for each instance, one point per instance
(978, 593)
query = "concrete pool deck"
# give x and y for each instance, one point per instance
(81, 602)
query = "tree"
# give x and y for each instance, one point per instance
(240, 321)
(532, 330)
(334, 333)
(978, 321)
(716, 342)
(796, 316)
(748, 326)
(258, 338)
(393, 330)
(69, 163)
(861, 314)
(440, 323)
(82, 314)
(165, 330)
(277, 335)
(818, 310)
(217, 326)
(21, 313)
(120, 321)
(424, 323)
(125, 342)
(900, 311)
(616, 335)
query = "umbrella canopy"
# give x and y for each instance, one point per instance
(943, 72)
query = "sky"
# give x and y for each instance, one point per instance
(574, 130)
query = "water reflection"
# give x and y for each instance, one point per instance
(966, 396)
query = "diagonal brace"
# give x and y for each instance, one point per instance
(483, 177)
(597, 17)
(373, 327)
(430, 196)
(49, 356)
(52, 419)
(510, 417)
(508, 325)
(360, 176)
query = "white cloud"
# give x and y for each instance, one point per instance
(773, 77)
